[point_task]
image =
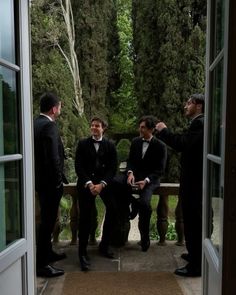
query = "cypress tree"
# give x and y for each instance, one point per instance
(50, 72)
(146, 40)
(169, 60)
(123, 106)
(97, 49)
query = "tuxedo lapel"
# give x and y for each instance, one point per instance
(149, 149)
(91, 147)
(101, 148)
(140, 148)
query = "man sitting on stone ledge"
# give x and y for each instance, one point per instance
(145, 165)
(95, 165)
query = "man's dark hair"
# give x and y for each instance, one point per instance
(198, 99)
(47, 101)
(150, 121)
(102, 121)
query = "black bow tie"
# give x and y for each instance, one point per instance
(96, 141)
(145, 140)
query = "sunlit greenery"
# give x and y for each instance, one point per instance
(171, 233)
(135, 57)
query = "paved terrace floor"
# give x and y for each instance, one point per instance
(128, 258)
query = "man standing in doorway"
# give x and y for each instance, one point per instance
(190, 144)
(95, 165)
(49, 178)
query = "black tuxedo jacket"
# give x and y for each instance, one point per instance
(190, 144)
(49, 154)
(152, 165)
(95, 166)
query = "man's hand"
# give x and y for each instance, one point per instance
(131, 179)
(96, 189)
(160, 126)
(141, 184)
(91, 187)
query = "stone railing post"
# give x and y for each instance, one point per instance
(164, 191)
(162, 218)
(71, 190)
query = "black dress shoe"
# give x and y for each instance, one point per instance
(84, 263)
(56, 257)
(87, 259)
(49, 271)
(187, 272)
(145, 245)
(185, 256)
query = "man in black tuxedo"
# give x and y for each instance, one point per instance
(190, 144)
(95, 165)
(145, 165)
(49, 177)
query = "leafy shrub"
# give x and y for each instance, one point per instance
(123, 147)
(65, 206)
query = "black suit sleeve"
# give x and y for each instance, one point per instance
(133, 156)
(159, 161)
(180, 142)
(111, 163)
(51, 141)
(80, 162)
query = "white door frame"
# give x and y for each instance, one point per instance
(17, 267)
(219, 260)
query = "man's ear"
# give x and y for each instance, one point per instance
(199, 107)
(54, 109)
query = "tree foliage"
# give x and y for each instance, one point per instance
(124, 103)
(50, 71)
(71, 57)
(169, 50)
(97, 47)
(134, 57)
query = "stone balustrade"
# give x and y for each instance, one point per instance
(164, 191)
(71, 190)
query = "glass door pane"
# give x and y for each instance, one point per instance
(217, 34)
(9, 119)
(215, 115)
(7, 36)
(215, 208)
(10, 194)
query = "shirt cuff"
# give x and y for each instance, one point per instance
(130, 171)
(147, 180)
(103, 182)
(87, 183)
